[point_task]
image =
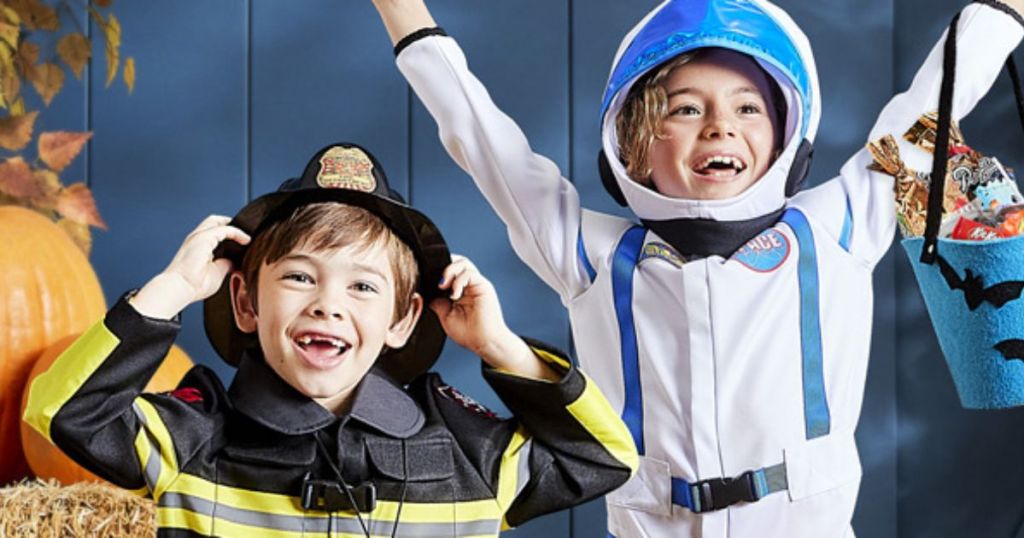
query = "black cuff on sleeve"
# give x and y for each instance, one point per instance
(416, 36)
(995, 4)
(122, 319)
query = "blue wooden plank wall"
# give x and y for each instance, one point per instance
(233, 97)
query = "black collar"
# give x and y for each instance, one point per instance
(258, 393)
(700, 238)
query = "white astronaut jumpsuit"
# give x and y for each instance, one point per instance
(721, 365)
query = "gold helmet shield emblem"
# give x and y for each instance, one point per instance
(346, 168)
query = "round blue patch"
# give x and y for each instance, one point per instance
(764, 253)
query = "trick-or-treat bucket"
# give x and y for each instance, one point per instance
(972, 289)
(981, 337)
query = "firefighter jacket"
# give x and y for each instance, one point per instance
(261, 459)
(740, 374)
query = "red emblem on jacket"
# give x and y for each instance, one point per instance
(188, 395)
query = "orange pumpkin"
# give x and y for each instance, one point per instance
(46, 460)
(48, 290)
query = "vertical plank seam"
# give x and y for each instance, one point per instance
(247, 99)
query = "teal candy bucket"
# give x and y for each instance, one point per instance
(979, 344)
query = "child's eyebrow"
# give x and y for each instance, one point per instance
(360, 267)
(733, 92)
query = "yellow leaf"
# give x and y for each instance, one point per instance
(17, 109)
(129, 73)
(9, 33)
(57, 149)
(16, 131)
(112, 30)
(11, 15)
(10, 86)
(79, 233)
(75, 50)
(76, 203)
(49, 187)
(47, 79)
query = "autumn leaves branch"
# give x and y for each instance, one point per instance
(37, 184)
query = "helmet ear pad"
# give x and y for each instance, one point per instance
(801, 166)
(611, 185)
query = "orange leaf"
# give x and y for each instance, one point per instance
(26, 58)
(103, 3)
(57, 149)
(45, 17)
(76, 203)
(79, 234)
(47, 79)
(23, 9)
(75, 50)
(16, 131)
(16, 179)
(129, 73)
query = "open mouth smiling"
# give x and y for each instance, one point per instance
(321, 343)
(719, 166)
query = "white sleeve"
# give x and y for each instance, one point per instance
(985, 37)
(540, 208)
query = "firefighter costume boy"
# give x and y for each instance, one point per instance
(732, 333)
(264, 458)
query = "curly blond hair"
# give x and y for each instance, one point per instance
(638, 123)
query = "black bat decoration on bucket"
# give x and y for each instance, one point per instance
(975, 292)
(1011, 349)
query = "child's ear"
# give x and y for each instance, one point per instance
(241, 304)
(400, 331)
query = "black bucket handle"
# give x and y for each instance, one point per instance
(940, 159)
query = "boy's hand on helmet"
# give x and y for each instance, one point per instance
(193, 274)
(471, 315)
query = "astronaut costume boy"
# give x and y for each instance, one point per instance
(732, 334)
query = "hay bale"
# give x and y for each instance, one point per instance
(49, 510)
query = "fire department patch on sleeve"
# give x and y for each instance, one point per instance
(449, 392)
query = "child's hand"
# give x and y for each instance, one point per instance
(193, 274)
(471, 316)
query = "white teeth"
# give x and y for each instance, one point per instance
(305, 340)
(723, 159)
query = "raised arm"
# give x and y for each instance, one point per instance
(90, 402)
(986, 34)
(540, 208)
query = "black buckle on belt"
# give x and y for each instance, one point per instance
(328, 496)
(718, 493)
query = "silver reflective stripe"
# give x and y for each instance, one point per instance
(523, 473)
(344, 524)
(152, 470)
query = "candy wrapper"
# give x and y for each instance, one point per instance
(979, 195)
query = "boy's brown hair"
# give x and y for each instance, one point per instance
(331, 225)
(639, 121)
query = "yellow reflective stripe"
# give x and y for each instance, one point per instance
(52, 389)
(596, 415)
(158, 430)
(550, 358)
(508, 473)
(179, 518)
(287, 505)
(141, 492)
